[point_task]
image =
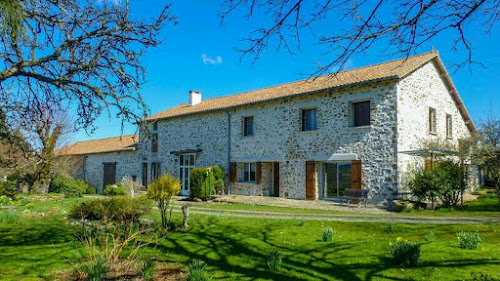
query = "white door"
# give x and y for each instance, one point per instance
(186, 163)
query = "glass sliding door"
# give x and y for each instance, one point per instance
(337, 178)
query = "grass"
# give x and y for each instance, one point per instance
(236, 249)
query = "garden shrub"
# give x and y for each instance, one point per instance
(8, 188)
(119, 208)
(406, 253)
(468, 240)
(162, 190)
(199, 183)
(389, 228)
(114, 190)
(446, 182)
(219, 179)
(9, 216)
(94, 270)
(328, 234)
(5, 200)
(429, 237)
(274, 260)
(69, 187)
(198, 271)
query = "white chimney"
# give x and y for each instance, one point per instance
(194, 97)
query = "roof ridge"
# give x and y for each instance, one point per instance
(124, 136)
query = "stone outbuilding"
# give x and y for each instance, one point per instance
(105, 161)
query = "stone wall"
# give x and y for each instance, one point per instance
(417, 92)
(278, 137)
(206, 133)
(92, 169)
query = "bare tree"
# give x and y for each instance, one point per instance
(404, 24)
(81, 51)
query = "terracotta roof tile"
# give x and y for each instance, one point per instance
(393, 69)
(123, 143)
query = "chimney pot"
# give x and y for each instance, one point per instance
(194, 97)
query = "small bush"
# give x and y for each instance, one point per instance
(328, 234)
(9, 216)
(301, 223)
(162, 190)
(114, 190)
(8, 188)
(199, 183)
(389, 228)
(212, 219)
(429, 237)
(5, 200)
(219, 179)
(94, 270)
(406, 253)
(274, 260)
(120, 208)
(147, 269)
(468, 240)
(198, 271)
(71, 188)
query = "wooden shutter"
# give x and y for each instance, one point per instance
(258, 172)
(310, 180)
(428, 165)
(356, 173)
(233, 171)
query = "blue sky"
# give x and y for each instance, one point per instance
(200, 54)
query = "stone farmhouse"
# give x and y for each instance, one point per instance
(363, 128)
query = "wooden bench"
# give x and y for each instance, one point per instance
(361, 195)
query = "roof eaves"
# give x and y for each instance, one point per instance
(392, 77)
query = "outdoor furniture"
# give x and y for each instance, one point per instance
(360, 195)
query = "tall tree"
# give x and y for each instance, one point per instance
(81, 51)
(403, 24)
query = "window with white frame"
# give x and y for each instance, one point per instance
(248, 172)
(449, 126)
(432, 120)
(186, 164)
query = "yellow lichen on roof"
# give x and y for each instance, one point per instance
(123, 143)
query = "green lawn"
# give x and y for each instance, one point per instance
(483, 206)
(236, 248)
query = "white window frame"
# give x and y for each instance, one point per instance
(181, 170)
(449, 126)
(432, 117)
(248, 171)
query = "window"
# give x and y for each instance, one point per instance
(155, 126)
(155, 171)
(248, 126)
(309, 119)
(449, 126)
(154, 142)
(432, 120)
(361, 114)
(186, 164)
(249, 172)
(338, 176)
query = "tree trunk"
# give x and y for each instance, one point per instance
(40, 186)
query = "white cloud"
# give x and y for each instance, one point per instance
(209, 60)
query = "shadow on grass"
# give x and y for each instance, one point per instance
(243, 255)
(36, 233)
